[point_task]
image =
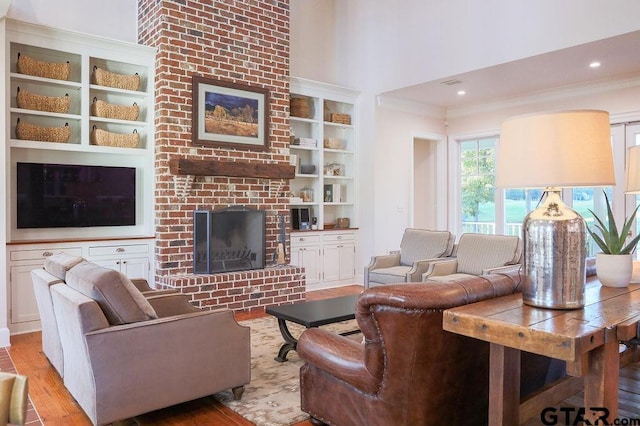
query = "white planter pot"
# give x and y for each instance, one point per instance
(614, 270)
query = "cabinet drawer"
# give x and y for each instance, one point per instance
(303, 240)
(37, 254)
(336, 238)
(118, 250)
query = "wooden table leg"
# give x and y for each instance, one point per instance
(504, 386)
(601, 380)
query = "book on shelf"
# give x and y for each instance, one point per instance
(307, 142)
(335, 193)
(328, 193)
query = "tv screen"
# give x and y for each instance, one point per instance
(64, 195)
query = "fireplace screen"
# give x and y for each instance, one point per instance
(228, 240)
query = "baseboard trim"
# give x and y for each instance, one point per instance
(5, 337)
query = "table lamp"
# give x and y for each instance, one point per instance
(554, 150)
(633, 187)
(633, 170)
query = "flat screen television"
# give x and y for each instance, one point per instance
(66, 195)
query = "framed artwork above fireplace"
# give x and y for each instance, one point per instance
(230, 115)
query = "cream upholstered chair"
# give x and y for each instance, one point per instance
(477, 254)
(418, 248)
(14, 390)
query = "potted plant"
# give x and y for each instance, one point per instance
(614, 266)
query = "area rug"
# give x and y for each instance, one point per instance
(273, 396)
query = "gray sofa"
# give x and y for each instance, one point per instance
(122, 353)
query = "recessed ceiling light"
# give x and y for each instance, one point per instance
(461, 93)
(594, 64)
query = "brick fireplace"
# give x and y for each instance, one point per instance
(243, 42)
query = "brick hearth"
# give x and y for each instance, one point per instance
(234, 41)
(246, 290)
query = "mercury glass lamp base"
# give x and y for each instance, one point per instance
(554, 238)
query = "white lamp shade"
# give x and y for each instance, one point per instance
(555, 149)
(633, 170)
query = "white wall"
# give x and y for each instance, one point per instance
(618, 98)
(387, 45)
(313, 40)
(116, 19)
(393, 173)
(413, 41)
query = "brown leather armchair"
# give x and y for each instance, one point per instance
(408, 371)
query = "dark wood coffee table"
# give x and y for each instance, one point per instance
(311, 314)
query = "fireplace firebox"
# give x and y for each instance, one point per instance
(226, 240)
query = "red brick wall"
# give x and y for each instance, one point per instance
(237, 41)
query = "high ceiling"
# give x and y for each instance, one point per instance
(618, 56)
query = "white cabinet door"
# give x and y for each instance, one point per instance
(347, 265)
(108, 263)
(137, 267)
(305, 252)
(132, 267)
(307, 257)
(23, 300)
(331, 263)
(338, 262)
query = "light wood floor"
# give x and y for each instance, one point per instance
(57, 407)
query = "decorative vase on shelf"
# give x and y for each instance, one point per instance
(614, 270)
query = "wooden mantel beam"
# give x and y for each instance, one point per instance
(185, 166)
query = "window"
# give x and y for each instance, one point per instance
(517, 204)
(480, 207)
(585, 199)
(477, 185)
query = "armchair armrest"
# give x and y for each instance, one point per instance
(384, 261)
(420, 267)
(169, 304)
(180, 355)
(337, 355)
(141, 284)
(441, 267)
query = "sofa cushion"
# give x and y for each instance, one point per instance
(58, 264)
(392, 275)
(120, 300)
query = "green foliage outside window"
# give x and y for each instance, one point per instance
(477, 176)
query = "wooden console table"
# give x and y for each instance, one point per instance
(587, 339)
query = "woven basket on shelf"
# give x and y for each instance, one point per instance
(299, 107)
(30, 66)
(122, 140)
(340, 118)
(31, 132)
(28, 100)
(119, 112)
(119, 81)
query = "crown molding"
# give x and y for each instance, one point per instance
(409, 106)
(546, 96)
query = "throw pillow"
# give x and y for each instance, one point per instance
(58, 264)
(120, 300)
